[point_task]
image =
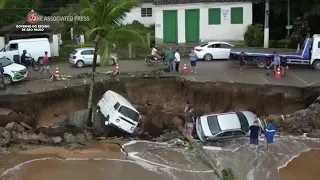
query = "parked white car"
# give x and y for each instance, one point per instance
(12, 72)
(214, 127)
(115, 111)
(213, 50)
(84, 56)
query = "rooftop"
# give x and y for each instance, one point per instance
(165, 2)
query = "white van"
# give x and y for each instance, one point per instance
(117, 112)
(35, 47)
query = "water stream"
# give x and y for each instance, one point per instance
(160, 161)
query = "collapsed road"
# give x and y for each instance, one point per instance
(159, 100)
(58, 116)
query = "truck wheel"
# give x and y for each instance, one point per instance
(316, 65)
(262, 63)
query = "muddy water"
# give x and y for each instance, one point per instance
(160, 161)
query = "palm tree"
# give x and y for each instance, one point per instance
(105, 29)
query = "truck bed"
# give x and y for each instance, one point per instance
(265, 50)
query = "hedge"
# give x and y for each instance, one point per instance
(66, 50)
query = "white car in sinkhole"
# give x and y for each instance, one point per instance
(113, 110)
(213, 127)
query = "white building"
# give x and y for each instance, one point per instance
(194, 21)
(144, 15)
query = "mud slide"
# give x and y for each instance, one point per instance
(160, 100)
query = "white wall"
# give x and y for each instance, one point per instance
(224, 31)
(135, 14)
(2, 42)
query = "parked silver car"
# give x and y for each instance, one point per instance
(214, 127)
(84, 56)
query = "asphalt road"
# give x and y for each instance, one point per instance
(129, 66)
(228, 71)
(222, 71)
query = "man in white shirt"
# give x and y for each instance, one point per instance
(154, 52)
(177, 59)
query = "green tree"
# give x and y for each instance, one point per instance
(2, 3)
(105, 29)
(16, 10)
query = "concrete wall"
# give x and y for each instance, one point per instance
(2, 42)
(224, 31)
(135, 14)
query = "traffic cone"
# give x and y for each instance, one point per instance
(278, 74)
(185, 69)
(117, 69)
(57, 73)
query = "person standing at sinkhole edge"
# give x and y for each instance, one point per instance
(270, 132)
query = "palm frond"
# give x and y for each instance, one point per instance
(119, 9)
(85, 4)
(88, 12)
(105, 25)
(105, 50)
(126, 35)
(2, 3)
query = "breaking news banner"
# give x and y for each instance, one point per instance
(33, 18)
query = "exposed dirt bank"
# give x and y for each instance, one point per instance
(159, 99)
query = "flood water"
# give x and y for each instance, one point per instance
(159, 161)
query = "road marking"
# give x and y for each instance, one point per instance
(313, 83)
(193, 78)
(299, 79)
(264, 79)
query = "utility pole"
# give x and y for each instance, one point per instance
(266, 25)
(288, 16)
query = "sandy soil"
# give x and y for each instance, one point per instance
(102, 149)
(304, 167)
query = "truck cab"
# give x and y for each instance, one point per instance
(315, 52)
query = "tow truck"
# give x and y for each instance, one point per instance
(310, 55)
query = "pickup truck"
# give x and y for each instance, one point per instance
(310, 55)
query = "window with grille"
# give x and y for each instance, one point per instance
(146, 12)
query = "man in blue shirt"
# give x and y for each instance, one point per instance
(270, 132)
(276, 62)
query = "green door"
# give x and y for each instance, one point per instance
(170, 26)
(192, 25)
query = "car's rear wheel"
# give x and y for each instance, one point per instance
(207, 57)
(111, 61)
(80, 63)
(7, 79)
